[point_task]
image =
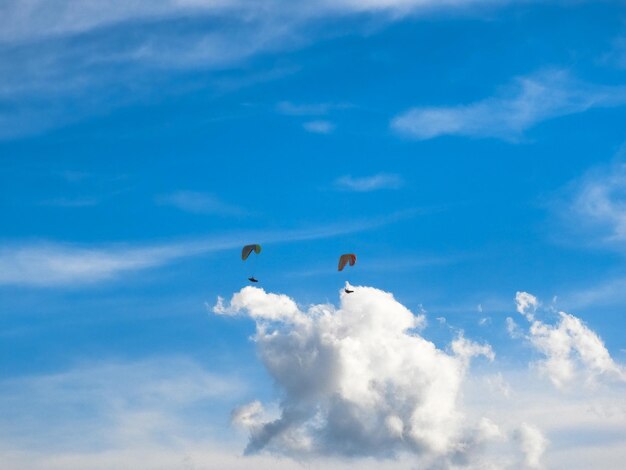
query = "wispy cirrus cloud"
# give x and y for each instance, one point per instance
(89, 58)
(369, 183)
(308, 109)
(617, 55)
(315, 126)
(590, 211)
(319, 127)
(605, 292)
(200, 203)
(599, 202)
(518, 107)
(42, 264)
(41, 18)
(50, 264)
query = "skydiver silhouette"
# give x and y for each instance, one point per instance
(252, 279)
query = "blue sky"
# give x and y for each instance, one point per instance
(466, 151)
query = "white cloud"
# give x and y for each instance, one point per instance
(577, 424)
(55, 264)
(572, 350)
(200, 203)
(158, 413)
(497, 383)
(356, 375)
(369, 183)
(610, 291)
(315, 109)
(599, 203)
(533, 444)
(41, 18)
(319, 127)
(526, 304)
(358, 380)
(260, 305)
(467, 349)
(522, 105)
(513, 328)
(110, 404)
(247, 415)
(58, 53)
(45, 426)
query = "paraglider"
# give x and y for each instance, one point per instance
(346, 259)
(246, 251)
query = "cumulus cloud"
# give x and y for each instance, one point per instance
(533, 444)
(467, 349)
(167, 412)
(520, 106)
(369, 183)
(357, 380)
(497, 383)
(526, 304)
(571, 349)
(260, 305)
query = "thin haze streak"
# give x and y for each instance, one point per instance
(54, 264)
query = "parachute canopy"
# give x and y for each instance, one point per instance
(346, 259)
(245, 252)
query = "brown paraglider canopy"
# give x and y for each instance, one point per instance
(348, 258)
